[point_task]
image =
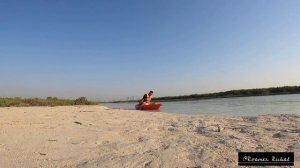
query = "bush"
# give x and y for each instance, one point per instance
(81, 101)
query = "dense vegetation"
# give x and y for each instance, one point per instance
(49, 101)
(236, 93)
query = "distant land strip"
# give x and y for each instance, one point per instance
(49, 101)
(229, 94)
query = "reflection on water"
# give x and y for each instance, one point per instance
(244, 106)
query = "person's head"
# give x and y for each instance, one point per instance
(151, 93)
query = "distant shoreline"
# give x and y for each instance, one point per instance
(285, 90)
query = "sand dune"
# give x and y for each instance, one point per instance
(95, 136)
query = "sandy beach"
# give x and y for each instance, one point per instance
(96, 136)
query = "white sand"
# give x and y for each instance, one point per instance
(95, 136)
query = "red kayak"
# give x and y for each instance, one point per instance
(153, 106)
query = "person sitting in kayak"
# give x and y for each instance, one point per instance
(146, 98)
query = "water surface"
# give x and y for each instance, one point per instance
(242, 106)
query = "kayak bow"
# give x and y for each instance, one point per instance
(153, 106)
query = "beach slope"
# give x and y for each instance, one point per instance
(96, 136)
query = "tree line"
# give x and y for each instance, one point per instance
(235, 93)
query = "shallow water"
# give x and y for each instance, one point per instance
(242, 106)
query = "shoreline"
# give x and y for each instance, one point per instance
(176, 100)
(190, 98)
(97, 136)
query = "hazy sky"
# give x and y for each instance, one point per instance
(113, 49)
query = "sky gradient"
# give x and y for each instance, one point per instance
(109, 50)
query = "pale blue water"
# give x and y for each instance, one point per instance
(243, 106)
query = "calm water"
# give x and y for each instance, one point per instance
(245, 106)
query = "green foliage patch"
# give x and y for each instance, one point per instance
(49, 101)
